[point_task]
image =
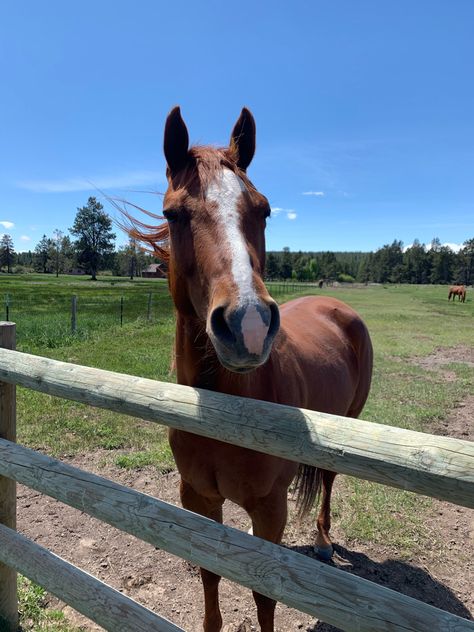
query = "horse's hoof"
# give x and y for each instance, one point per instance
(324, 553)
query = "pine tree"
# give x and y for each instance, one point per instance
(7, 252)
(95, 240)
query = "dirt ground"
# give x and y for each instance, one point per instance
(442, 576)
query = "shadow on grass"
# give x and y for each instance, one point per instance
(400, 576)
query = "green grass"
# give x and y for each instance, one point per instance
(35, 615)
(41, 306)
(60, 427)
(404, 322)
(163, 456)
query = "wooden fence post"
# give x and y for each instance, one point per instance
(74, 313)
(8, 587)
(148, 317)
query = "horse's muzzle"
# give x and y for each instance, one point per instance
(243, 337)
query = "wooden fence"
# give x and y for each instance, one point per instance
(437, 466)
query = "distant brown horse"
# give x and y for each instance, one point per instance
(229, 338)
(459, 291)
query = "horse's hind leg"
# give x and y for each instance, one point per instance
(268, 521)
(324, 547)
(212, 509)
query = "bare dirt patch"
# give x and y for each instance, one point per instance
(172, 586)
(443, 356)
(443, 575)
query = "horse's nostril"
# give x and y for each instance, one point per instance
(274, 320)
(219, 326)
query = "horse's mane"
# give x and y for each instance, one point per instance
(202, 167)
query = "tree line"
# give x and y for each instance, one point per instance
(390, 264)
(91, 248)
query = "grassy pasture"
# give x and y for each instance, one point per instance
(41, 306)
(404, 322)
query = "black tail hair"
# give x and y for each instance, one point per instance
(308, 487)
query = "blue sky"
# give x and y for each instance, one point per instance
(364, 111)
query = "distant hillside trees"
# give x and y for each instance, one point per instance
(95, 239)
(465, 263)
(389, 264)
(93, 250)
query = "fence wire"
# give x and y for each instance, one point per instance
(52, 321)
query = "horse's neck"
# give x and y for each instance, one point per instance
(196, 361)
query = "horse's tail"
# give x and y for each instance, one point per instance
(308, 487)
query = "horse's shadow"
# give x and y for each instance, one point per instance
(400, 576)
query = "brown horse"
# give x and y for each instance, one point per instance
(229, 338)
(459, 291)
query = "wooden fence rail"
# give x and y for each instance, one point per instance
(337, 597)
(87, 594)
(441, 467)
(437, 466)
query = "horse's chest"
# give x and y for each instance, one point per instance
(216, 469)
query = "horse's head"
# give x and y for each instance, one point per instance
(216, 221)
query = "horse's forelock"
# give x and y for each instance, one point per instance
(204, 166)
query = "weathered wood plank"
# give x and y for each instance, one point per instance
(87, 594)
(8, 584)
(437, 466)
(334, 596)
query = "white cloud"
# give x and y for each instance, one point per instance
(316, 193)
(290, 213)
(454, 247)
(119, 181)
(6, 224)
(25, 238)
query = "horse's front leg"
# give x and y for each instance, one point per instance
(268, 521)
(212, 509)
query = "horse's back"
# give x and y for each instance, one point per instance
(324, 322)
(328, 346)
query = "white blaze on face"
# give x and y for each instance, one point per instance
(226, 192)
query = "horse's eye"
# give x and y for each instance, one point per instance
(170, 214)
(267, 213)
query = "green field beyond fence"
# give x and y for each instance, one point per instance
(52, 312)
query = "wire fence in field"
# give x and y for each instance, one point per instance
(52, 321)
(47, 320)
(281, 288)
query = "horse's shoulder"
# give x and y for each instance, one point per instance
(326, 306)
(325, 313)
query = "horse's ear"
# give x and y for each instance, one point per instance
(242, 140)
(176, 141)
